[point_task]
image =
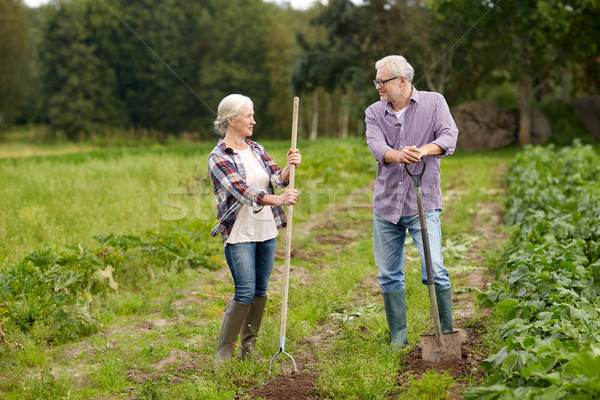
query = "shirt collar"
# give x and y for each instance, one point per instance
(414, 96)
(223, 146)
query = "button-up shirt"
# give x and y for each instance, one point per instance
(231, 191)
(427, 119)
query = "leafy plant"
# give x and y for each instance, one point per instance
(547, 285)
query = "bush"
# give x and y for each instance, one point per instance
(566, 126)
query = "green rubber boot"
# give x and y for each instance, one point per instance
(235, 315)
(444, 301)
(250, 329)
(395, 312)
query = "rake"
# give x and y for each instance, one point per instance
(288, 247)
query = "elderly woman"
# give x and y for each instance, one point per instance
(249, 215)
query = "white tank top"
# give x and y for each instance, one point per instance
(248, 226)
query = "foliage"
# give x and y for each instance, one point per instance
(15, 31)
(155, 66)
(531, 40)
(547, 288)
(57, 288)
(566, 126)
(79, 77)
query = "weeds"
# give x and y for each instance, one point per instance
(431, 386)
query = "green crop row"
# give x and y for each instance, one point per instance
(547, 287)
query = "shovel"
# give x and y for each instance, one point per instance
(288, 246)
(439, 346)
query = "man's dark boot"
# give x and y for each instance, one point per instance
(251, 328)
(444, 302)
(395, 312)
(235, 315)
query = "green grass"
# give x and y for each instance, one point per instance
(52, 201)
(431, 386)
(57, 200)
(120, 359)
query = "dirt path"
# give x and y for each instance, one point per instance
(467, 318)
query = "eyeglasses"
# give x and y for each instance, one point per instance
(382, 83)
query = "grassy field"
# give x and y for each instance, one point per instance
(155, 337)
(50, 201)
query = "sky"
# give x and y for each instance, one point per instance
(297, 4)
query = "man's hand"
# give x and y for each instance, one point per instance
(410, 155)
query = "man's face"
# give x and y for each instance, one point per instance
(391, 89)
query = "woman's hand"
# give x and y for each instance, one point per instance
(294, 157)
(288, 198)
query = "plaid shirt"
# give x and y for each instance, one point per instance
(231, 191)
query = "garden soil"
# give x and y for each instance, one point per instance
(299, 385)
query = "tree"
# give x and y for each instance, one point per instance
(534, 41)
(15, 54)
(165, 44)
(80, 84)
(359, 35)
(239, 59)
(160, 66)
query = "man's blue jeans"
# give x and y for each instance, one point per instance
(388, 248)
(251, 265)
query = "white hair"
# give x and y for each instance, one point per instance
(229, 107)
(398, 66)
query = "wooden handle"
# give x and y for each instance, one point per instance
(290, 217)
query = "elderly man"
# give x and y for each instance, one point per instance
(402, 128)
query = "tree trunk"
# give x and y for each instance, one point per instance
(565, 83)
(344, 117)
(315, 116)
(525, 99)
(329, 118)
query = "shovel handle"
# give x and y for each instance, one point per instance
(416, 178)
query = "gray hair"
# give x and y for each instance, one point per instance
(398, 66)
(229, 107)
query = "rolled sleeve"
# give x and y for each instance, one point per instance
(225, 174)
(445, 128)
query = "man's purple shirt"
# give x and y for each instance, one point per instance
(427, 119)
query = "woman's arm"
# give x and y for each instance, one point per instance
(288, 198)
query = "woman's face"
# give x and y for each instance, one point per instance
(243, 123)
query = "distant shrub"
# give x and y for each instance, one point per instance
(566, 126)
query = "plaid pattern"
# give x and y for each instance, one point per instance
(231, 191)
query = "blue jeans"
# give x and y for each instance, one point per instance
(388, 248)
(250, 264)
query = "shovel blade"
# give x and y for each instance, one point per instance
(445, 349)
